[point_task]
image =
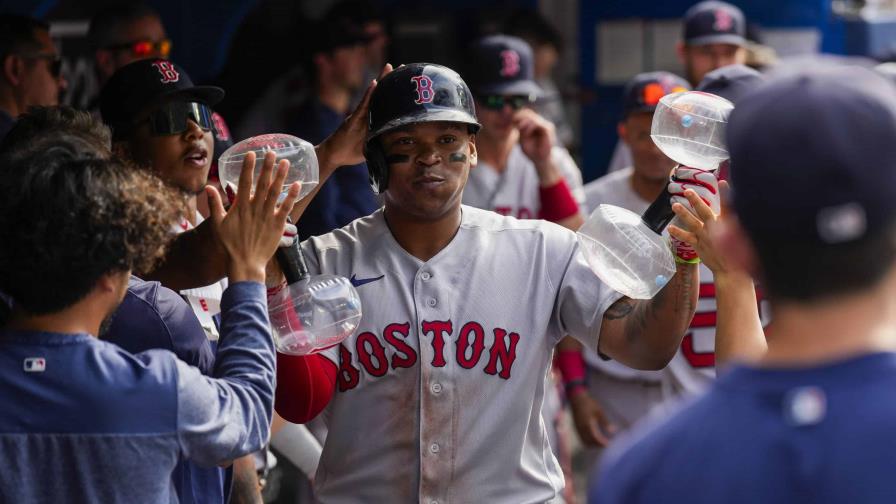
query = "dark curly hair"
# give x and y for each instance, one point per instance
(71, 212)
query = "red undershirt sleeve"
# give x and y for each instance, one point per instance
(305, 385)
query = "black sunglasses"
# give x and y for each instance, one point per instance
(171, 118)
(54, 61)
(497, 102)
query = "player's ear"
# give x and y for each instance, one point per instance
(680, 50)
(13, 67)
(620, 129)
(472, 146)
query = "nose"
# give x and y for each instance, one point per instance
(193, 130)
(428, 155)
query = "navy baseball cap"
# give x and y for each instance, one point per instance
(502, 65)
(714, 22)
(813, 157)
(731, 82)
(143, 84)
(643, 91)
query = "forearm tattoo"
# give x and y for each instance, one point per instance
(638, 314)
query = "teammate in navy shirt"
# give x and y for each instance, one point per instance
(84, 420)
(813, 166)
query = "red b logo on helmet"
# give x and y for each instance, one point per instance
(425, 94)
(510, 63)
(169, 73)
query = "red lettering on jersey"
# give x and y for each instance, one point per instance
(524, 213)
(463, 344)
(438, 328)
(425, 93)
(348, 375)
(510, 63)
(203, 304)
(368, 347)
(407, 357)
(169, 73)
(503, 210)
(501, 350)
(696, 359)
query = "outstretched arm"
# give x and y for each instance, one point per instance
(739, 333)
(645, 334)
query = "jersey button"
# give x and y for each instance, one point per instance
(425, 275)
(431, 302)
(436, 388)
(434, 448)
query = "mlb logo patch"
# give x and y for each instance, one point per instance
(35, 365)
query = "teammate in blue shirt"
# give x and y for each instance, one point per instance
(813, 165)
(84, 420)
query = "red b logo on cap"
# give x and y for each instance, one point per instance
(723, 20)
(169, 73)
(510, 63)
(425, 93)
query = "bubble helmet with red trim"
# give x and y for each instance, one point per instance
(411, 94)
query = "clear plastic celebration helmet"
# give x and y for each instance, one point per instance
(689, 127)
(300, 154)
(314, 313)
(625, 253)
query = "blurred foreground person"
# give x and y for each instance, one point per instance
(81, 222)
(812, 420)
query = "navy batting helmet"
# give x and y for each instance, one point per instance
(411, 94)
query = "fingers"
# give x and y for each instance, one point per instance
(703, 211)
(292, 195)
(682, 235)
(724, 194)
(244, 187)
(360, 112)
(686, 216)
(263, 181)
(276, 186)
(215, 205)
(597, 436)
(387, 69)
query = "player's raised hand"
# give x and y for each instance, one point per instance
(251, 229)
(705, 185)
(537, 136)
(591, 423)
(346, 145)
(696, 225)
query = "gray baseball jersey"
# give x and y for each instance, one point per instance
(440, 389)
(514, 191)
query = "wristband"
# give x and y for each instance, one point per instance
(572, 367)
(557, 202)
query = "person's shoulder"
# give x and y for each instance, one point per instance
(358, 231)
(153, 316)
(477, 219)
(610, 180)
(684, 429)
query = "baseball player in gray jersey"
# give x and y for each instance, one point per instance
(437, 396)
